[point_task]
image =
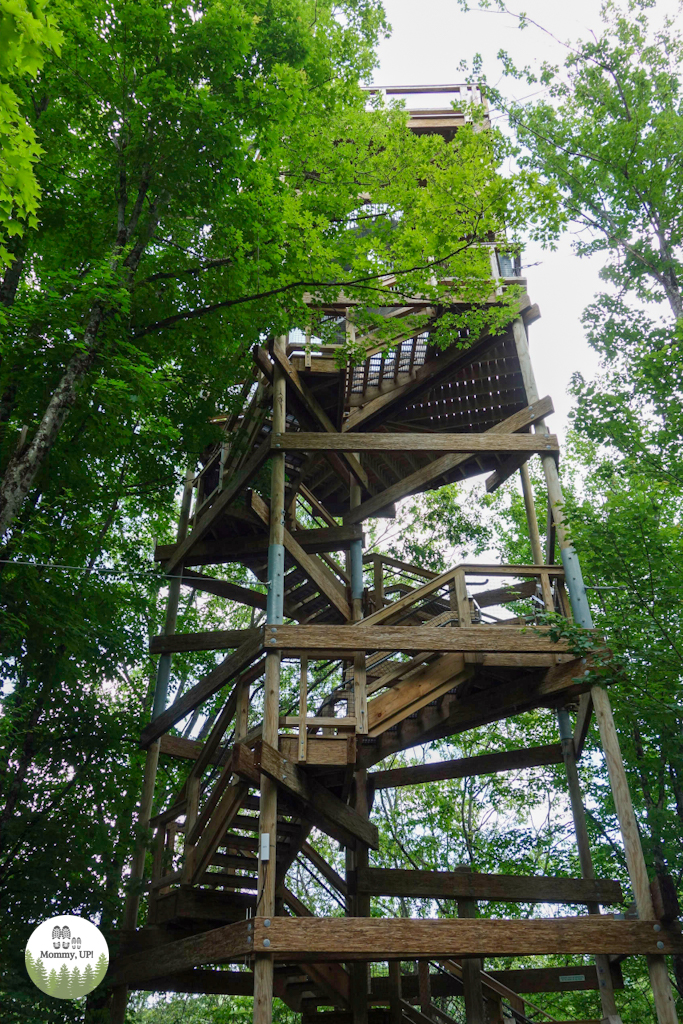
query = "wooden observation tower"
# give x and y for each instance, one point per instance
(316, 451)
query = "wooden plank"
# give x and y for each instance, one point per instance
(211, 517)
(396, 563)
(220, 945)
(474, 886)
(345, 640)
(581, 978)
(465, 767)
(301, 441)
(445, 464)
(504, 472)
(222, 588)
(583, 721)
(323, 807)
(427, 375)
(212, 836)
(205, 688)
(314, 408)
(316, 570)
(211, 640)
(502, 595)
(319, 574)
(320, 750)
(178, 746)
(437, 582)
(214, 552)
(374, 939)
(464, 713)
(325, 869)
(420, 687)
(201, 982)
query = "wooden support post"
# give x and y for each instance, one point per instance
(425, 987)
(378, 581)
(635, 861)
(570, 560)
(607, 1002)
(534, 534)
(137, 871)
(242, 708)
(359, 905)
(303, 706)
(360, 694)
(263, 963)
(475, 1012)
(395, 994)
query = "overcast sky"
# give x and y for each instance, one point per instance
(429, 40)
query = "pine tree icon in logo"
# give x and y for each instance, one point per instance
(56, 936)
(66, 935)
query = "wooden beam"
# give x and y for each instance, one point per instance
(325, 809)
(475, 886)
(222, 588)
(209, 519)
(325, 869)
(345, 640)
(311, 404)
(218, 945)
(300, 441)
(201, 982)
(205, 688)
(316, 570)
(374, 939)
(465, 767)
(211, 640)
(420, 687)
(464, 713)
(446, 463)
(583, 721)
(425, 376)
(235, 549)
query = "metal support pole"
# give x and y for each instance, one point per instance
(137, 870)
(265, 904)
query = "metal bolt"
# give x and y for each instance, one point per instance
(657, 927)
(266, 942)
(586, 673)
(248, 939)
(274, 640)
(266, 923)
(660, 945)
(249, 927)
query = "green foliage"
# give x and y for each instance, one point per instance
(26, 32)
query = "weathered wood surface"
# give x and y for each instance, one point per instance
(232, 983)
(234, 549)
(474, 886)
(222, 588)
(211, 640)
(445, 464)
(464, 767)
(206, 687)
(211, 517)
(345, 640)
(218, 945)
(456, 715)
(420, 687)
(320, 938)
(322, 807)
(427, 442)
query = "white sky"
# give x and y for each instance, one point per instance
(430, 38)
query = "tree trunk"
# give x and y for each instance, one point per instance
(26, 463)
